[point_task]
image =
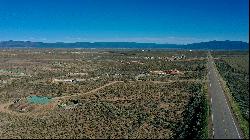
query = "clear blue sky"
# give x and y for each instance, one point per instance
(161, 21)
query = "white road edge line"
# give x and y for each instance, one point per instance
(233, 121)
(210, 85)
(213, 132)
(228, 109)
(212, 117)
(230, 113)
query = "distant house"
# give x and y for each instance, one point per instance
(62, 105)
(17, 100)
(74, 81)
(139, 76)
(158, 72)
(171, 72)
(22, 107)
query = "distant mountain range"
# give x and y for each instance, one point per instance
(211, 45)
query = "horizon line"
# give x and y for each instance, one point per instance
(119, 42)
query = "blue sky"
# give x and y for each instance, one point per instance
(160, 21)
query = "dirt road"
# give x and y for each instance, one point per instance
(4, 107)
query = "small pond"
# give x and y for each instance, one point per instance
(38, 99)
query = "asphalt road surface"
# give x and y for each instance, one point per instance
(224, 125)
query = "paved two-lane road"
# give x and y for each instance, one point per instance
(224, 125)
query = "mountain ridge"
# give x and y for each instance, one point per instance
(210, 45)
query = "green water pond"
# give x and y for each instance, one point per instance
(38, 99)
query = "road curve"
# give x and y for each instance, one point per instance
(224, 124)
